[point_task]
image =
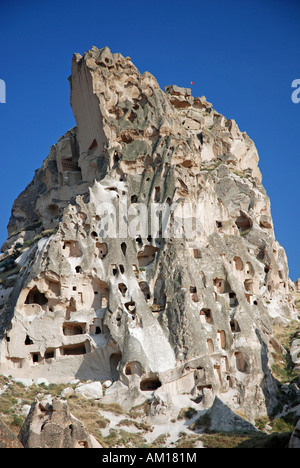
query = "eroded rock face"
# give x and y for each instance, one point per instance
(49, 424)
(295, 438)
(97, 284)
(7, 438)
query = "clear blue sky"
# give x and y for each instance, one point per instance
(241, 54)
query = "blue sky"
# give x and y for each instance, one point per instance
(243, 55)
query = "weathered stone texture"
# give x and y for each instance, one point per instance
(7, 438)
(49, 424)
(192, 313)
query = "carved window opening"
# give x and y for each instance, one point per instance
(197, 253)
(249, 268)
(221, 339)
(219, 285)
(49, 353)
(147, 255)
(72, 249)
(157, 194)
(159, 295)
(249, 298)
(115, 359)
(53, 210)
(122, 288)
(96, 327)
(36, 357)
(68, 165)
(36, 297)
(144, 286)
(101, 294)
(217, 371)
(235, 328)
(238, 263)
(102, 249)
(70, 329)
(130, 306)
(150, 384)
(194, 295)
(233, 301)
(249, 285)
(205, 316)
(240, 361)
(224, 363)
(73, 350)
(210, 345)
(229, 380)
(134, 368)
(243, 223)
(124, 248)
(28, 341)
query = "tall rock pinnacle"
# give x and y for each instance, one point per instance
(143, 251)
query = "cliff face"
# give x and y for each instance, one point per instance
(143, 250)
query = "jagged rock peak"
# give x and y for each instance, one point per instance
(143, 251)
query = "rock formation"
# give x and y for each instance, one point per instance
(7, 438)
(295, 439)
(49, 424)
(143, 251)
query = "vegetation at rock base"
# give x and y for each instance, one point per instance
(253, 440)
(283, 367)
(114, 427)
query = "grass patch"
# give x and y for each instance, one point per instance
(187, 440)
(121, 438)
(88, 412)
(286, 423)
(114, 408)
(245, 233)
(296, 295)
(239, 173)
(252, 440)
(30, 227)
(283, 365)
(141, 410)
(211, 168)
(160, 441)
(286, 334)
(139, 425)
(282, 369)
(202, 423)
(46, 233)
(187, 413)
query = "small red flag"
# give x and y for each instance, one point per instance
(192, 82)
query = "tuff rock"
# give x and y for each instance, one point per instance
(295, 438)
(49, 424)
(7, 438)
(143, 250)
